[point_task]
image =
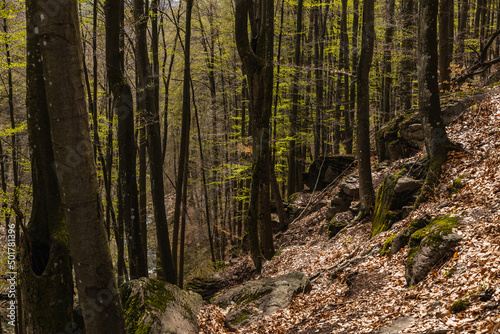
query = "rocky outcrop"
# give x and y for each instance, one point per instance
(348, 191)
(207, 287)
(324, 170)
(155, 307)
(256, 299)
(429, 246)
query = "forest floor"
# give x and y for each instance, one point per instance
(372, 293)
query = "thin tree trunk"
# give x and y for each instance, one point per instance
(185, 131)
(292, 184)
(408, 14)
(445, 43)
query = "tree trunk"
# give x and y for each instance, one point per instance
(76, 172)
(146, 88)
(352, 105)
(292, 185)
(445, 43)
(45, 259)
(123, 107)
(408, 14)
(366, 193)
(184, 145)
(386, 107)
(258, 68)
(436, 141)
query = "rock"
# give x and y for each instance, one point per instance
(486, 295)
(407, 185)
(402, 238)
(156, 307)
(340, 203)
(256, 299)
(397, 326)
(350, 186)
(324, 170)
(207, 287)
(429, 246)
(335, 227)
(383, 216)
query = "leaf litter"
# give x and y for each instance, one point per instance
(371, 292)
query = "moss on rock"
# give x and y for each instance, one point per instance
(383, 216)
(386, 248)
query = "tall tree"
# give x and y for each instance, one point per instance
(123, 107)
(145, 85)
(445, 42)
(437, 144)
(366, 192)
(408, 14)
(353, 88)
(61, 51)
(293, 179)
(45, 259)
(257, 59)
(181, 184)
(386, 106)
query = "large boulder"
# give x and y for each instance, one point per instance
(155, 307)
(256, 299)
(429, 246)
(324, 170)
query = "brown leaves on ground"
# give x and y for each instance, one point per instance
(372, 293)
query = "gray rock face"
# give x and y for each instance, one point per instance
(156, 307)
(350, 186)
(407, 184)
(256, 299)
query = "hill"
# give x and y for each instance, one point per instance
(369, 293)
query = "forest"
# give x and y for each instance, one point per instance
(151, 148)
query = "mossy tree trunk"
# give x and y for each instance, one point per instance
(436, 140)
(45, 261)
(61, 51)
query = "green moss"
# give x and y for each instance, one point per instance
(134, 316)
(292, 198)
(387, 245)
(456, 185)
(459, 306)
(278, 252)
(431, 235)
(242, 316)
(383, 217)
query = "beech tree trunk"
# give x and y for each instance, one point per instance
(366, 192)
(408, 14)
(445, 42)
(437, 144)
(61, 52)
(45, 254)
(257, 61)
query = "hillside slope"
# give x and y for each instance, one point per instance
(371, 293)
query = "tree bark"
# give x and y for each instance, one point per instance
(436, 140)
(123, 107)
(366, 192)
(76, 171)
(408, 14)
(145, 85)
(45, 255)
(292, 184)
(445, 43)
